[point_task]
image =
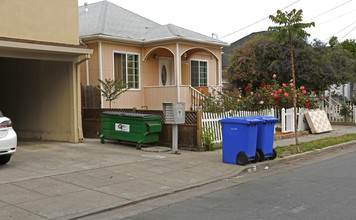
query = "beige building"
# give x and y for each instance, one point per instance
(160, 63)
(39, 68)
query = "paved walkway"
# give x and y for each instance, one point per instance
(53, 180)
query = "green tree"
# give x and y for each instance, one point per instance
(290, 27)
(111, 89)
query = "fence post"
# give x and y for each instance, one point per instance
(283, 120)
(272, 112)
(199, 129)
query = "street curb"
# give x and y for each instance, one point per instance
(262, 165)
(249, 168)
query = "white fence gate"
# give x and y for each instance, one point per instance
(287, 120)
(210, 121)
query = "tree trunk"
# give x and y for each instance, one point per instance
(294, 97)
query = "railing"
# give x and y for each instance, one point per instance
(210, 121)
(331, 103)
(196, 98)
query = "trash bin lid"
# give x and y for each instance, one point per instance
(132, 115)
(240, 120)
(266, 118)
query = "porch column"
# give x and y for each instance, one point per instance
(178, 71)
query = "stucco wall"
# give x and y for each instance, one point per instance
(37, 97)
(131, 98)
(40, 20)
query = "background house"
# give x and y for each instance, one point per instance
(39, 68)
(160, 63)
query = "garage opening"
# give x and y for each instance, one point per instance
(36, 96)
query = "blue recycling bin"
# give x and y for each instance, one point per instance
(239, 140)
(265, 137)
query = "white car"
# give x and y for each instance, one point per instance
(8, 139)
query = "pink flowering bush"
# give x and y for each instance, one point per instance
(275, 95)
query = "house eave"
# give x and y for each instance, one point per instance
(156, 40)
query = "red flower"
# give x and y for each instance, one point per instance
(247, 87)
(302, 87)
(307, 104)
(304, 91)
(313, 91)
(276, 102)
(286, 94)
(291, 84)
(279, 90)
(284, 85)
(275, 96)
(274, 76)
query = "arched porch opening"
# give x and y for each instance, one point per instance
(200, 69)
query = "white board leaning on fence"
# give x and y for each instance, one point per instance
(318, 121)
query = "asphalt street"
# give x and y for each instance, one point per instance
(321, 190)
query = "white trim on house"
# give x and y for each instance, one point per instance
(178, 75)
(87, 71)
(139, 67)
(155, 48)
(101, 71)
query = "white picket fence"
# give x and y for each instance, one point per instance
(334, 115)
(210, 121)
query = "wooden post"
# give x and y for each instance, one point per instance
(199, 130)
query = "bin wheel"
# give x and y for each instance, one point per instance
(102, 139)
(138, 146)
(241, 159)
(274, 155)
(257, 157)
(262, 155)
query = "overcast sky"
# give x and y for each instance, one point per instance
(240, 18)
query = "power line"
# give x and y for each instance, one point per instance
(341, 31)
(348, 33)
(257, 21)
(330, 10)
(336, 17)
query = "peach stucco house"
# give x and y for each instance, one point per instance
(160, 63)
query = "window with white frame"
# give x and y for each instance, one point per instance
(126, 68)
(198, 73)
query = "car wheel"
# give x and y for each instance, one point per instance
(4, 159)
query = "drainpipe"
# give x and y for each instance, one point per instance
(87, 63)
(78, 137)
(178, 71)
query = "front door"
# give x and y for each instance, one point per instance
(166, 76)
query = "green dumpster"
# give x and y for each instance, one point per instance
(133, 127)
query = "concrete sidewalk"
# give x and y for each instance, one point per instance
(53, 180)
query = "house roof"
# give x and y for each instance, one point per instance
(105, 19)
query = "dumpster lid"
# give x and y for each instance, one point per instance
(132, 115)
(240, 120)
